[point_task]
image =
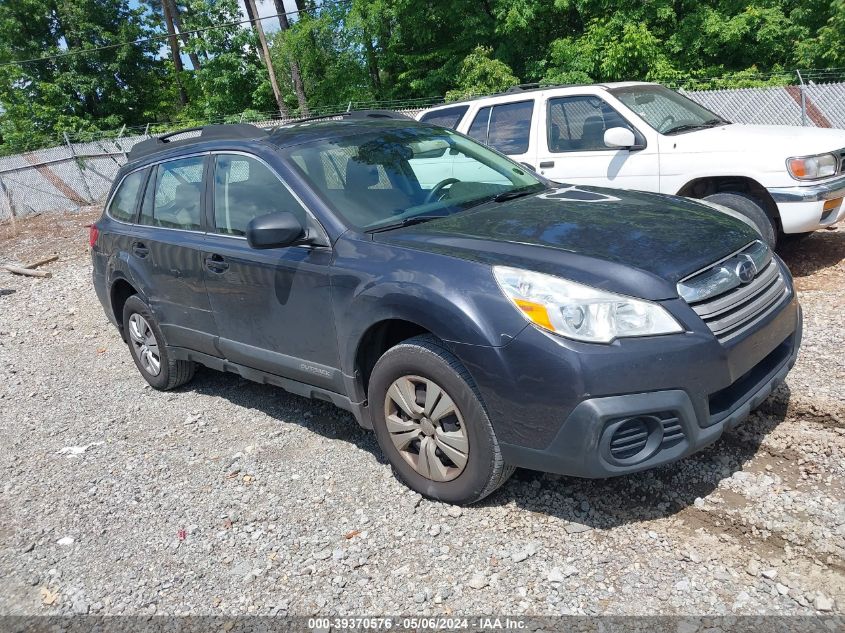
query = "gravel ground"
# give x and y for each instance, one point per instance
(228, 497)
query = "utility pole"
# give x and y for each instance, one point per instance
(252, 14)
(174, 50)
(295, 74)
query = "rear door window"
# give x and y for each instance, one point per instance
(125, 199)
(447, 117)
(173, 198)
(505, 127)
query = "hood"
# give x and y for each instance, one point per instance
(782, 140)
(638, 237)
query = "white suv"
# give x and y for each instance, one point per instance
(644, 136)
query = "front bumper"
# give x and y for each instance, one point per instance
(688, 390)
(802, 207)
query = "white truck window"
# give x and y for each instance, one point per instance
(505, 127)
(578, 123)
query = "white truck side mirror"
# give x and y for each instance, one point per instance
(620, 137)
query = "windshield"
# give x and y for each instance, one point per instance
(665, 110)
(396, 175)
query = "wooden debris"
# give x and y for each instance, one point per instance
(41, 262)
(28, 272)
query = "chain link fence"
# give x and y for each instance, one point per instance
(79, 174)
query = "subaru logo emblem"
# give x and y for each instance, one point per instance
(745, 270)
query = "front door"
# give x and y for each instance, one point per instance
(574, 151)
(167, 246)
(272, 307)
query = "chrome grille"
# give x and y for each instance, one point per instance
(841, 154)
(730, 305)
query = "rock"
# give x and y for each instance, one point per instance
(682, 585)
(782, 589)
(434, 530)
(771, 574)
(338, 554)
(576, 528)
(699, 502)
(420, 597)
(556, 575)
(454, 511)
(478, 581)
(323, 554)
(518, 557)
(65, 541)
(26, 549)
(753, 568)
(822, 603)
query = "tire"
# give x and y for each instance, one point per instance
(751, 209)
(171, 373)
(424, 363)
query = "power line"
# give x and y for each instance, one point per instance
(153, 38)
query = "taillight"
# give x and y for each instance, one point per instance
(93, 234)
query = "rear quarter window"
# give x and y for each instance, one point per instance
(447, 117)
(125, 199)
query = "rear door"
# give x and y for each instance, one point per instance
(272, 307)
(573, 150)
(507, 127)
(167, 249)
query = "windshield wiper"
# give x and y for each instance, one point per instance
(519, 192)
(686, 127)
(416, 219)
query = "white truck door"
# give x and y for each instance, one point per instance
(571, 146)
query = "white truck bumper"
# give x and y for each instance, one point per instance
(802, 208)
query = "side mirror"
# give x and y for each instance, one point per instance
(274, 230)
(620, 137)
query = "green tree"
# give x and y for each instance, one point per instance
(328, 56)
(479, 74)
(232, 78)
(102, 89)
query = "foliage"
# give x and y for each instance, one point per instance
(479, 74)
(100, 89)
(232, 78)
(366, 50)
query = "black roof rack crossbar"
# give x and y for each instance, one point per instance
(207, 132)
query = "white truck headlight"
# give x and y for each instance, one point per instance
(581, 312)
(812, 167)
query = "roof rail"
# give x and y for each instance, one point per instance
(354, 115)
(206, 132)
(521, 87)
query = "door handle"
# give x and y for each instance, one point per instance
(140, 249)
(216, 264)
(546, 164)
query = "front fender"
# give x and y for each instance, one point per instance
(454, 299)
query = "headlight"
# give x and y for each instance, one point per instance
(812, 167)
(581, 312)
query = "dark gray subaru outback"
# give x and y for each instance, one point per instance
(475, 316)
